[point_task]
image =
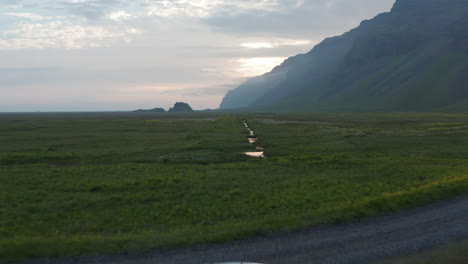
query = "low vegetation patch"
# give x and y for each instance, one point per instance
(107, 183)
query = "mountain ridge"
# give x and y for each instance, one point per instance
(413, 58)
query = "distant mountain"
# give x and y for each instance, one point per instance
(414, 58)
(154, 110)
(181, 107)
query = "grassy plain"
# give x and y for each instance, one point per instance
(96, 183)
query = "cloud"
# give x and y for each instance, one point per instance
(30, 16)
(61, 34)
(10, 4)
(116, 54)
(206, 8)
(89, 9)
(66, 24)
(298, 18)
(99, 23)
(208, 70)
(15, 77)
(120, 16)
(258, 45)
(215, 90)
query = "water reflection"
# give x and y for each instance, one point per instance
(252, 140)
(259, 154)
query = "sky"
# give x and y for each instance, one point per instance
(107, 55)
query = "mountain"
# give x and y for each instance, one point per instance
(180, 107)
(154, 110)
(413, 58)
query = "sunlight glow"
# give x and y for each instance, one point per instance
(257, 66)
(277, 43)
(259, 45)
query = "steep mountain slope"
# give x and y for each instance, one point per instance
(414, 58)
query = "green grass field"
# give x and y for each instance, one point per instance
(94, 183)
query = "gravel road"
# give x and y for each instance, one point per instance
(359, 242)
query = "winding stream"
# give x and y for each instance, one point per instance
(252, 140)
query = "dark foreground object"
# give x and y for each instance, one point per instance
(360, 242)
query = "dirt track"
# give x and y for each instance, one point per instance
(360, 242)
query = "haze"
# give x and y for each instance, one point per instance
(105, 55)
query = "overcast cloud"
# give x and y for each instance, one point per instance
(83, 55)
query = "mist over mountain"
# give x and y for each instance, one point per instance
(414, 58)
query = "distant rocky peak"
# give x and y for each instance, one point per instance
(181, 107)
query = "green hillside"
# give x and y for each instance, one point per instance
(412, 59)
